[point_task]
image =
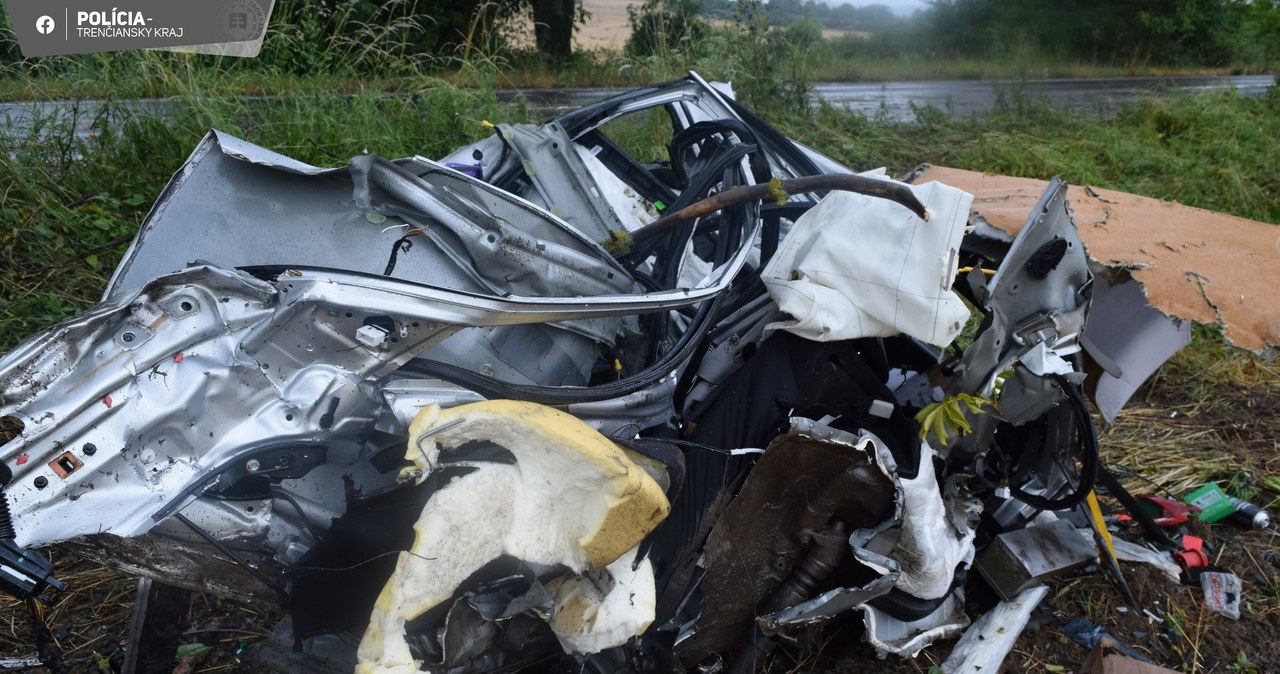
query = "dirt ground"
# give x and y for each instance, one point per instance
(1172, 432)
(607, 27)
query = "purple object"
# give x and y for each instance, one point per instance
(474, 170)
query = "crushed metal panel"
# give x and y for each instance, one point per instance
(1024, 558)
(566, 186)
(1192, 263)
(908, 637)
(1129, 340)
(130, 385)
(230, 206)
(1036, 304)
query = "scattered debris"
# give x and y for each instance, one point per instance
(1222, 593)
(547, 402)
(1091, 636)
(1104, 659)
(1216, 505)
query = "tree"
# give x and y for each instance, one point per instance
(553, 26)
(1172, 32)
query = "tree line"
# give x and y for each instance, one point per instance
(1214, 33)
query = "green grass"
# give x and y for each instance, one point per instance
(1214, 151)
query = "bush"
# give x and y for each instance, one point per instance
(663, 27)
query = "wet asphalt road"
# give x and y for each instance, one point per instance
(891, 100)
(966, 98)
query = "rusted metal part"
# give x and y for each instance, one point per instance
(827, 548)
(799, 484)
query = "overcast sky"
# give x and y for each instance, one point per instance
(899, 7)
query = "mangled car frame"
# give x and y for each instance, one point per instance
(546, 401)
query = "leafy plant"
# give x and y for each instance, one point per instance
(947, 416)
(1243, 664)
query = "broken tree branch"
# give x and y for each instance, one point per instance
(895, 192)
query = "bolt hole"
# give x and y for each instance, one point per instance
(349, 314)
(288, 417)
(492, 238)
(187, 306)
(248, 509)
(415, 324)
(127, 338)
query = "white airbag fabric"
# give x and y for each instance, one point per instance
(930, 546)
(858, 266)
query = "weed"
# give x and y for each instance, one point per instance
(1242, 664)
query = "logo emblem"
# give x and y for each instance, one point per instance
(45, 25)
(245, 21)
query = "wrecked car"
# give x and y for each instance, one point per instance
(545, 400)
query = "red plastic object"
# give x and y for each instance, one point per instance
(1172, 513)
(1191, 556)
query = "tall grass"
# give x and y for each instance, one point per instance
(1214, 150)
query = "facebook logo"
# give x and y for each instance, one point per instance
(45, 25)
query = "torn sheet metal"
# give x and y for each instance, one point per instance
(988, 641)
(1193, 264)
(1132, 552)
(291, 365)
(570, 498)
(563, 182)
(1129, 340)
(916, 549)
(1039, 295)
(908, 637)
(855, 266)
